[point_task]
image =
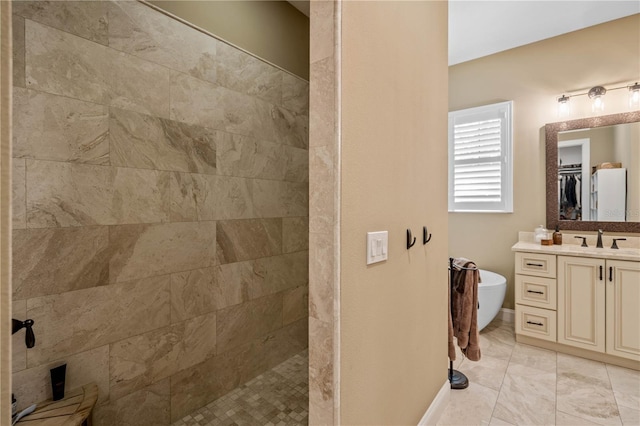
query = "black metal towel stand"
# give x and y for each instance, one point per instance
(456, 378)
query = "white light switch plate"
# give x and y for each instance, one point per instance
(377, 246)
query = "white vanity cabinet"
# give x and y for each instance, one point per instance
(623, 309)
(536, 295)
(586, 305)
(599, 303)
(581, 299)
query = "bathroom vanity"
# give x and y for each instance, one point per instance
(584, 301)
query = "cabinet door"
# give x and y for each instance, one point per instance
(581, 302)
(623, 309)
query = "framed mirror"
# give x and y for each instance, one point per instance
(593, 173)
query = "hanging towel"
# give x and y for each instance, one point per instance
(464, 317)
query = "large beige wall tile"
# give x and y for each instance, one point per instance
(139, 361)
(243, 323)
(143, 141)
(238, 240)
(202, 291)
(146, 407)
(247, 115)
(18, 50)
(198, 102)
(64, 64)
(244, 156)
(85, 19)
(18, 346)
(242, 281)
(51, 261)
(179, 201)
(66, 194)
(60, 63)
(295, 234)
(138, 85)
(80, 320)
(297, 164)
(18, 194)
(50, 127)
(34, 384)
(295, 304)
(223, 197)
(245, 73)
(197, 386)
(295, 94)
(135, 29)
(280, 199)
(145, 250)
(276, 273)
(289, 128)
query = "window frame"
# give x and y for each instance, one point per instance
(504, 112)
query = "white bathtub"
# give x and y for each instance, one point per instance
(491, 291)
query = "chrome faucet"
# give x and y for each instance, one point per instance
(599, 244)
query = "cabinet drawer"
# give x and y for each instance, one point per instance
(540, 265)
(536, 322)
(536, 291)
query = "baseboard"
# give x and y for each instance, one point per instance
(507, 315)
(437, 406)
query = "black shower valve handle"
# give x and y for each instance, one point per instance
(29, 338)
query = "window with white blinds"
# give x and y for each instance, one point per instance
(480, 159)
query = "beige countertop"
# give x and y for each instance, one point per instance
(629, 250)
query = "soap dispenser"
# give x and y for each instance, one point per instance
(557, 237)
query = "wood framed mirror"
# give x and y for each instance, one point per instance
(583, 221)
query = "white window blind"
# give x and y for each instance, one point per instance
(480, 160)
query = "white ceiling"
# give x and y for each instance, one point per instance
(479, 27)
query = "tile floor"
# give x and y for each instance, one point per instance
(516, 384)
(513, 384)
(279, 396)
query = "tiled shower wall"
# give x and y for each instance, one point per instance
(160, 185)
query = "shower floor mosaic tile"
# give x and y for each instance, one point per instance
(277, 397)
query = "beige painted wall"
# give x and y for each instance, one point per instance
(533, 76)
(394, 154)
(273, 30)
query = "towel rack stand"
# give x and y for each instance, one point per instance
(456, 378)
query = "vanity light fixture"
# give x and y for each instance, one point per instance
(634, 96)
(596, 93)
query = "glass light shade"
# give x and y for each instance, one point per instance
(634, 98)
(597, 105)
(564, 108)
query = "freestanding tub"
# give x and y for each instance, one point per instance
(491, 291)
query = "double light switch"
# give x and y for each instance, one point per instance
(377, 246)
